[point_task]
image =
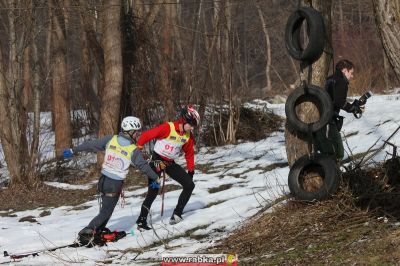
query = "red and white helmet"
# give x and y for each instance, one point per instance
(130, 123)
(190, 115)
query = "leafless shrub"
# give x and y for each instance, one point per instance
(371, 189)
(254, 125)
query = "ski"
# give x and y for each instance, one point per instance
(110, 237)
(35, 253)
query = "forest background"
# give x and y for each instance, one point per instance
(114, 58)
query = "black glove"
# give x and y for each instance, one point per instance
(191, 174)
(357, 110)
(354, 107)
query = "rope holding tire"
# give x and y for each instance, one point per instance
(320, 167)
(309, 93)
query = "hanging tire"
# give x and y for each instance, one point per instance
(315, 33)
(309, 93)
(314, 178)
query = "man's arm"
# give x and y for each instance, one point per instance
(159, 132)
(339, 94)
(93, 145)
(142, 165)
(340, 97)
(350, 108)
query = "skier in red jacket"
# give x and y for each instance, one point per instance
(173, 138)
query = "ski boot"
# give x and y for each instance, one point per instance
(142, 224)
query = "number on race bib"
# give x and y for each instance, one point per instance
(169, 147)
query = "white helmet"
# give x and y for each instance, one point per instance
(130, 123)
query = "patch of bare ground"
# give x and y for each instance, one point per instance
(21, 198)
(357, 226)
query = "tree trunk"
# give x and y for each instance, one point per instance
(7, 140)
(36, 97)
(227, 68)
(94, 46)
(26, 95)
(151, 16)
(61, 104)
(267, 48)
(91, 52)
(138, 9)
(360, 25)
(212, 48)
(181, 72)
(194, 48)
(165, 59)
(386, 70)
(341, 24)
(112, 46)
(387, 16)
(13, 115)
(34, 151)
(296, 143)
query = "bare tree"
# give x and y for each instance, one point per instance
(14, 117)
(92, 62)
(36, 97)
(165, 66)
(387, 18)
(112, 46)
(60, 96)
(226, 51)
(195, 49)
(267, 48)
(180, 71)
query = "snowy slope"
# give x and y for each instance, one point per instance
(241, 175)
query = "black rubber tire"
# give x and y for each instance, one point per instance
(309, 93)
(331, 176)
(315, 32)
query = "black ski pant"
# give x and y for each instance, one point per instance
(109, 189)
(329, 141)
(177, 173)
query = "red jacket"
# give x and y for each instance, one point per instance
(161, 132)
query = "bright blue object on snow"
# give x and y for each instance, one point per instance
(154, 185)
(67, 153)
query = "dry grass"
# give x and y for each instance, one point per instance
(312, 180)
(358, 226)
(325, 233)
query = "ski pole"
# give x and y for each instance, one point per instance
(162, 193)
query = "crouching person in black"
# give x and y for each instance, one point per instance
(328, 139)
(120, 152)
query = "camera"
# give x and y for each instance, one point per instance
(360, 102)
(363, 99)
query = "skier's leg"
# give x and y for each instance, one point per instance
(110, 190)
(177, 173)
(146, 205)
